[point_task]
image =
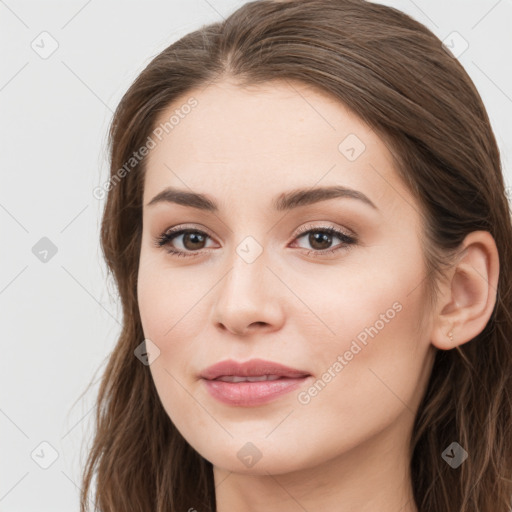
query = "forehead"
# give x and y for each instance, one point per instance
(264, 139)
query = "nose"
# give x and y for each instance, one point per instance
(249, 298)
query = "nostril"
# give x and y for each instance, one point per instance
(259, 323)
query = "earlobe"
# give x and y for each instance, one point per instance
(469, 293)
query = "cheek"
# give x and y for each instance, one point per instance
(375, 306)
(170, 302)
(374, 366)
(370, 316)
(173, 313)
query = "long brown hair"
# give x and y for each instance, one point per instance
(395, 74)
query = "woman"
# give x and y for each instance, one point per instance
(307, 224)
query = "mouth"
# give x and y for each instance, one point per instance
(237, 378)
(255, 382)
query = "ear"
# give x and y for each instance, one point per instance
(468, 295)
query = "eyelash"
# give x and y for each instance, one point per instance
(168, 236)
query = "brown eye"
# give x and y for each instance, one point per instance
(192, 240)
(320, 240)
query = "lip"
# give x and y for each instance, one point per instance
(251, 393)
(251, 368)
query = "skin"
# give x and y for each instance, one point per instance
(347, 448)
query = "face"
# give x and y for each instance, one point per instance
(330, 285)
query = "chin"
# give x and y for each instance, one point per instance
(255, 458)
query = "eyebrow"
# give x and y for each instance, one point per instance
(285, 201)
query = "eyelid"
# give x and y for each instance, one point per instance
(308, 227)
(176, 232)
(189, 227)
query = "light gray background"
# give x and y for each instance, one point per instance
(59, 319)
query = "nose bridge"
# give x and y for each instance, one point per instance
(247, 272)
(246, 296)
